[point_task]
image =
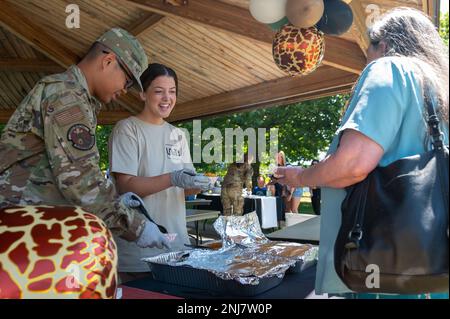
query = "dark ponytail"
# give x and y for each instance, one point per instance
(155, 70)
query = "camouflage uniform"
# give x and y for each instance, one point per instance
(239, 175)
(48, 149)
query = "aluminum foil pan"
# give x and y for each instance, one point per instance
(247, 256)
(237, 263)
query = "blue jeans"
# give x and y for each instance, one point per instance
(298, 192)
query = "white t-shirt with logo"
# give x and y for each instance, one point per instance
(139, 148)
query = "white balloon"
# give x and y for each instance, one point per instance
(268, 11)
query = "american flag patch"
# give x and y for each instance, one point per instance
(69, 116)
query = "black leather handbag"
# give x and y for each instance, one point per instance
(394, 232)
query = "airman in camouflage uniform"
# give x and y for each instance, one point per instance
(48, 152)
(239, 176)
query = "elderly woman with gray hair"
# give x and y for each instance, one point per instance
(385, 120)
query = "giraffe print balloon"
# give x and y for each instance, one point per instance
(298, 51)
(55, 252)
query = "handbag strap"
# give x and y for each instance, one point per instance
(356, 232)
(433, 124)
(438, 146)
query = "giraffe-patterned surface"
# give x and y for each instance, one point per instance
(55, 252)
(298, 51)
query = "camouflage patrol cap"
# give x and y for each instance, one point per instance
(129, 51)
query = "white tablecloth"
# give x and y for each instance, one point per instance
(268, 211)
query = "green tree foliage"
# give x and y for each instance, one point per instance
(443, 30)
(102, 136)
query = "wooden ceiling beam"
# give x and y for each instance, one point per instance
(29, 31)
(5, 115)
(432, 8)
(29, 65)
(344, 55)
(211, 13)
(275, 92)
(147, 21)
(239, 21)
(359, 25)
(344, 89)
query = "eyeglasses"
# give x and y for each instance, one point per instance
(129, 79)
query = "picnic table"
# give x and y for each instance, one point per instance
(196, 215)
(198, 202)
(307, 232)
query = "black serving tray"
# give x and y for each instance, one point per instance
(205, 280)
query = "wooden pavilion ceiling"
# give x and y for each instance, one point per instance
(223, 57)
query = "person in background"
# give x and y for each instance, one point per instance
(151, 158)
(283, 190)
(315, 194)
(385, 120)
(297, 193)
(260, 189)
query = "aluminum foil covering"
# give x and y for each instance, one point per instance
(230, 263)
(246, 256)
(244, 230)
(305, 253)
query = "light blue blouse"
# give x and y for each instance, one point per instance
(387, 106)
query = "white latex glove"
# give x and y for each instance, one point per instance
(152, 237)
(188, 179)
(131, 200)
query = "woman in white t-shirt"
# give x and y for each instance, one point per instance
(149, 157)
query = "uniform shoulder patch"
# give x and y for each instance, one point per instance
(81, 137)
(70, 115)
